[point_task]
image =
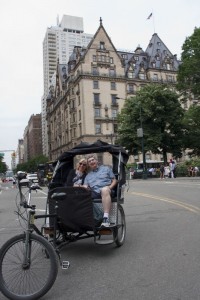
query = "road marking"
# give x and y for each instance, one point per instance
(192, 208)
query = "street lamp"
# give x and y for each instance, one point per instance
(140, 134)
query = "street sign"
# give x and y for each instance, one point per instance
(140, 132)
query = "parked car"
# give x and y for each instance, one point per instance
(33, 178)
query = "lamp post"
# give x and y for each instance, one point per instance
(140, 134)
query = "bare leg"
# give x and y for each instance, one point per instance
(106, 199)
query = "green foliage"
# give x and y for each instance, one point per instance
(157, 109)
(191, 124)
(182, 168)
(189, 70)
(3, 167)
(31, 165)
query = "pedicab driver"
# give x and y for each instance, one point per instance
(101, 180)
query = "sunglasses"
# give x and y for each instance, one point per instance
(82, 164)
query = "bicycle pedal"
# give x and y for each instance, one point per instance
(65, 264)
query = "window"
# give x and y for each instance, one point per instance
(169, 78)
(130, 88)
(96, 99)
(168, 66)
(112, 72)
(111, 60)
(97, 112)
(73, 118)
(102, 46)
(80, 129)
(131, 74)
(95, 71)
(113, 85)
(114, 113)
(79, 113)
(97, 128)
(95, 84)
(124, 56)
(142, 76)
(155, 77)
(113, 100)
(94, 58)
(115, 128)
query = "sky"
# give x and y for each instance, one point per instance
(23, 24)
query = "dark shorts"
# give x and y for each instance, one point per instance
(96, 195)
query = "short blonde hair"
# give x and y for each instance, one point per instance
(81, 161)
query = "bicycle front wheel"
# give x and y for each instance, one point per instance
(31, 280)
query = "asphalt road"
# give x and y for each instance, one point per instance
(160, 259)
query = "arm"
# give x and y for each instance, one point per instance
(113, 184)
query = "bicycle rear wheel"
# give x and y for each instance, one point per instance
(32, 281)
(119, 232)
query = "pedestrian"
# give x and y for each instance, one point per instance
(167, 171)
(172, 167)
(196, 170)
(162, 170)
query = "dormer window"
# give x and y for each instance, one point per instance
(102, 46)
(124, 56)
(168, 66)
(131, 73)
(142, 76)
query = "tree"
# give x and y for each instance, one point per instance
(191, 123)
(32, 165)
(189, 71)
(159, 111)
(3, 167)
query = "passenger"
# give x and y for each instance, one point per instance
(101, 181)
(162, 170)
(76, 176)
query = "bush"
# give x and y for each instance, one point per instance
(182, 168)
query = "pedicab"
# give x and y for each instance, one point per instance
(74, 205)
(29, 261)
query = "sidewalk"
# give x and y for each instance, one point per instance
(197, 178)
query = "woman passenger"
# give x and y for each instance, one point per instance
(76, 176)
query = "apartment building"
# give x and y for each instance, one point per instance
(58, 44)
(87, 95)
(32, 140)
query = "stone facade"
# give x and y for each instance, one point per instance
(32, 140)
(89, 91)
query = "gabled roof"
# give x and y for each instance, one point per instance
(156, 48)
(83, 51)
